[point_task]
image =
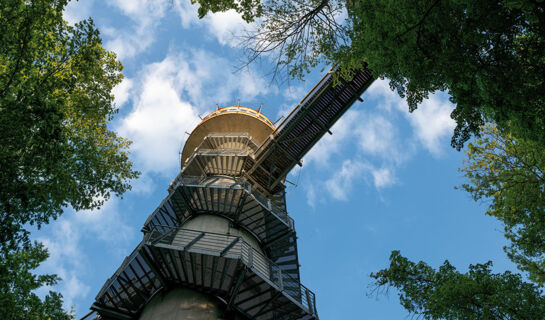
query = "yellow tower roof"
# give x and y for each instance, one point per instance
(234, 119)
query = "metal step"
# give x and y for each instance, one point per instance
(212, 263)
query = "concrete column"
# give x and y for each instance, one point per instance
(183, 304)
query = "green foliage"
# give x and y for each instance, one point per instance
(446, 293)
(510, 174)
(489, 55)
(249, 9)
(56, 149)
(17, 282)
(55, 104)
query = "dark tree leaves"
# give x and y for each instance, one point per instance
(18, 281)
(447, 293)
(488, 55)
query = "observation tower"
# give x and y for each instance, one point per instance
(221, 245)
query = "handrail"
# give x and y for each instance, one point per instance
(274, 209)
(252, 258)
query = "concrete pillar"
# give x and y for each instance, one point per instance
(183, 304)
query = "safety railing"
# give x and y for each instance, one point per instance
(234, 246)
(262, 199)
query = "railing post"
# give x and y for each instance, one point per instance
(269, 206)
(314, 304)
(309, 302)
(250, 256)
(280, 281)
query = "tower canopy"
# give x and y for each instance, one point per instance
(229, 120)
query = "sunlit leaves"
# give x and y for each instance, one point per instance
(509, 174)
(249, 9)
(56, 149)
(55, 105)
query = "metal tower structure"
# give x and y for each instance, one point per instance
(221, 245)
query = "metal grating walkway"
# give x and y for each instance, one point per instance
(305, 125)
(222, 265)
(237, 201)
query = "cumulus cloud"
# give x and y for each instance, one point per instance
(223, 26)
(159, 118)
(145, 15)
(168, 98)
(226, 26)
(377, 135)
(371, 144)
(122, 92)
(329, 145)
(187, 13)
(76, 11)
(431, 122)
(382, 177)
(340, 183)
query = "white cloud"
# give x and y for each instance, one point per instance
(296, 93)
(159, 119)
(187, 13)
(377, 135)
(380, 146)
(223, 26)
(66, 260)
(382, 177)
(343, 131)
(106, 224)
(141, 11)
(169, 96)
(76, 11)
(340, 183)
(122, 92)
(146, 15)
(226, 26)
(431, 122)
(311, 194)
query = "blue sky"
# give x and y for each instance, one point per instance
(383, 181)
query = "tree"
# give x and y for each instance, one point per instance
(489, 55)
(446, 293)
(17, 282)
(509, 173)
(56, 149)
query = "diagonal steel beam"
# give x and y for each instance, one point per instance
(195, 240)
(234, 291)
(231, 245)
